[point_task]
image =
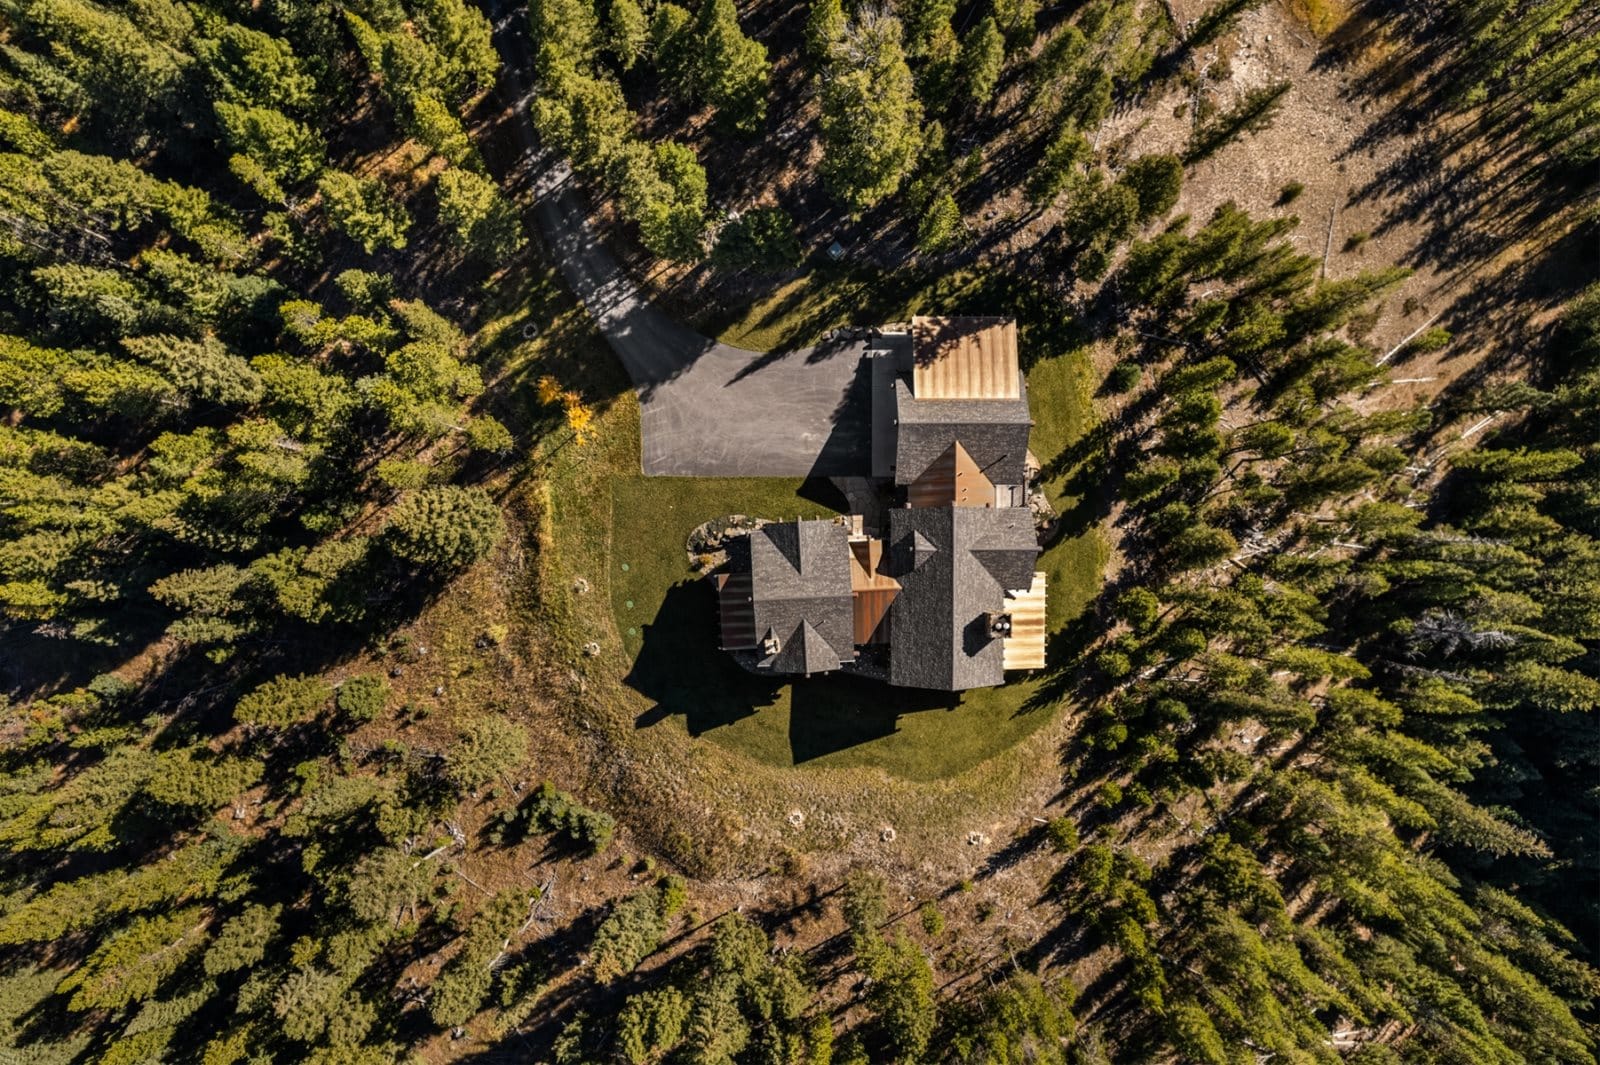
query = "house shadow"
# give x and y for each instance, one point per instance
(847, 452)
(681, 667)
(683, 671)
(836, 712)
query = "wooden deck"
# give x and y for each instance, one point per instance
(1024, 648)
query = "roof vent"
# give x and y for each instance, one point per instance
(999, 624)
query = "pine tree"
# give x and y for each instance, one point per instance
(483, 220)
(982, 54)
(732, 69)
(870, 114)
(628, 31)
(364, 211)
(444, 527)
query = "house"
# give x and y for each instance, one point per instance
(943, 593)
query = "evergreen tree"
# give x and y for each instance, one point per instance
(733, 70)
(444, 527)
(364, 211)
(870, 114)
(982, 54)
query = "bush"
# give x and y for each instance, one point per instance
(1109, 794)
(1155, 180)
(363, 697)
(483, 751)
(1124, 377)
(1063, 835)
(549, 810)
(1114, 664)
(674, 895)
(630, 934)
(932, 919)
(1202, 545)
(464, 983)
(1290, 193)
(1112, 736)
(1429, 340)
(762, 239)
(1139, 607)
(284, 701)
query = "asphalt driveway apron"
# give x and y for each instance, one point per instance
(708, 409)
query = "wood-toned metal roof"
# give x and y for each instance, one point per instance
(871, 591)
(965, 358)
(953, 479)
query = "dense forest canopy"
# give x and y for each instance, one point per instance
(1328, 789)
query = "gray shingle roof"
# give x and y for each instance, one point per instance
(994, 432)
(800, 593)
(938, 635)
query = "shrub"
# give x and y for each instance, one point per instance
(284, 701)
(631, 933)
(549, 810)
(1434, 339)
(466, 979)
(444, 527)
(1139, 607)
(1063, 834)
(484, 750)
(363, 697)
(1124, 377)
(1155, 180)
(932, 919)
(1290, 192)
(1114, 664)
(761, 239)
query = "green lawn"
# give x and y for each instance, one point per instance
(624, 535)
(666, 619)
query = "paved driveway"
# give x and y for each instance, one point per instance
(708, 409)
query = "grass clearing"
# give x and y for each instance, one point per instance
(678, 728)
(665, 620)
